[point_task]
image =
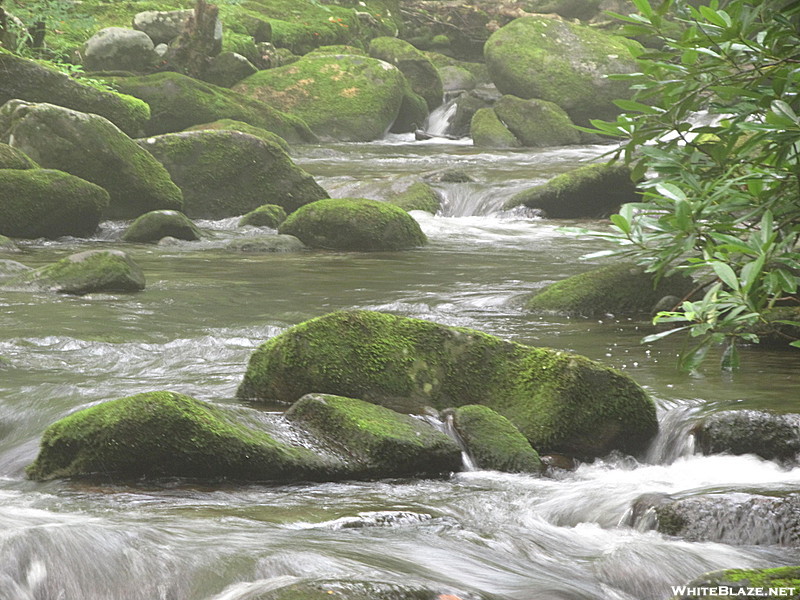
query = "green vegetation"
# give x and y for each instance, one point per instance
(487, 130)
(268, 215)
(13, 158)
(234, 125)
(720, 98)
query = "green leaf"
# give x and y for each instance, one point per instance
(692, 359)
(662, 334)
(750, 273)
(622, 223)
(726, 274)
(731, 361)
(632, 106)
(670, 191)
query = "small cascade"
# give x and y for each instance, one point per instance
(447, 427)
(438, 122)
(675, 439)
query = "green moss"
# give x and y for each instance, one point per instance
(337, 50)
(564, 63)
(46, 203)
(157, 224)
(420, 196)
(559, 401)
(418, 70)
(268, 215)
(619, 289)
(536, 123)
(354, 224)
(179, 102)
(164, 434)
(385, 443)
(477, 69)
(84, 273)
(591, 191)
(233, 125)
(487, 130)
(343, 97)
(7, 245)
(493, 441)
(11, 158)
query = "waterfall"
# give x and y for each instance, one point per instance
(447, 427)
(438, 122)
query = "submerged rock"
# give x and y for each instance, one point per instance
(93, 148)
(591, 191)
(616, 289)
(157, 224)
(559, 401)
(84, 273)
(354, 224)
(265, 244)
(765, 434)
(268, 215)
(227, 173)
(47, 203)
(493, 442)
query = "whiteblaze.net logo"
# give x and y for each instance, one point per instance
(724, 591)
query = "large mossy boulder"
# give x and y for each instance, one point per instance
(418, 196)
(617, 289)
(27, 80)
(178, 102)
(488, 131)
(561, 62)
(45, 203)
(234, 125)
(354, 224)
(379, 442)
(227, 173)
(560, 402)
(343, 97)
(493, 442)
(93, 148)
(84, 273)
(738, 583)
(767, 435)
(422, 76)
(12, 158)
(536, 123)
(591, 191)
(164, 434)
(157, 224)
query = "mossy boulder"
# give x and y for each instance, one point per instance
(342, 97)
(488, 131)
(119, 49)
(12, 158)
(93, 148)
(336, 49)
(178, 102)
(7, 245)
(84, 273)
(619, 289)
(227, 173)
(233, 125)
(266, 244)
(46, 203)
(268, 215)
(157, 224)
(379, 442)
(536, 123)
(354, 224)
(165, 434)
(228, 69)
(561, 62)
(413, 113)
(466, 107)
(767, 435)
(493, 442)
(419, 196)
(422, 76)
(737, 583)
(337, 589)
(560, 402)
(456, 78)
(591, 191)
(27, 80)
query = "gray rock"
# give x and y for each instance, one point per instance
(119, 49)
(456, 78)
(11, 268)
(12, 158)
(228, 69)
(266, 244)
(767, 435)
(157, 224)
(161, 50)
(162, 26)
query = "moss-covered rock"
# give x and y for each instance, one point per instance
(536, 123)
(558, 61)
(84, 273)
(419, 196)
(335, 589)
(45, 203)
(413, 113)
(178, 102)
(93, 148)
(157, 224)
(456, 78)
(227, 173)
(266, 244)
(268, 215)
(466, 107)
(380, 441)
(7, 245)
(354, 224)
(618, 289)
(10, 268)
(336, 49)
(12, 158)
(559, 401)
(228, 68)
(342, 97)
(488, 131)
(493, 442)
(590, 191)
(737, 583)
(478, 70)
(768, 435)
(233, 125)
(28, 80)
(164, 434)
(423, 77)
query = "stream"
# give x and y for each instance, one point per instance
(477, 533)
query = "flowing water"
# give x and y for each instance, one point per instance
(476, 534)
